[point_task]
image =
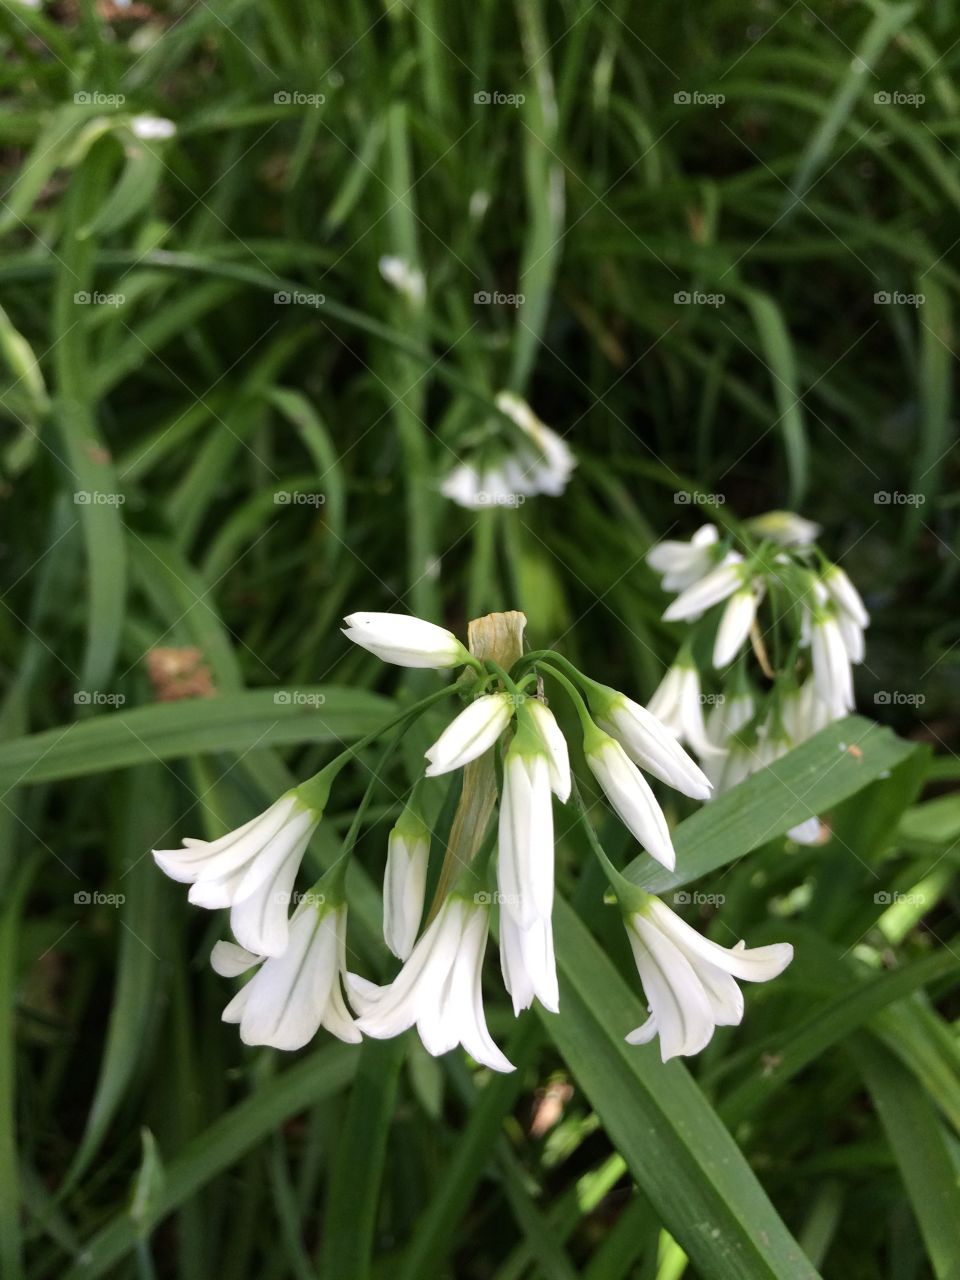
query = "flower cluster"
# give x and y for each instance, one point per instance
(507, 732)
(783, 628)
(503, 470)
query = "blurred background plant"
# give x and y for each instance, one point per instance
(264, 270)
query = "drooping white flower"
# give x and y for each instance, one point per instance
(558, 757)
(471, 733)
(648, 743)
(810, 831)
(831, 664)
(678, 705)
(152, 128)
(845, 596)
(405, 882)
(803, 713)
(438, 988)
(689, 981)
(551, 462)
(730, 713)
(735, 624)
(405, 640)
(293, 995)
(251, 870)
(407, 280)
(528, 964)
(629, 793)
(709, 590)
(475, 488)
(680, 564)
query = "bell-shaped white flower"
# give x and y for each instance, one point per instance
(681, 564)
(735, 624)
(558, 757)
(647, 742)
(405, 640)
(405, 882)
(630, 794)
(689, 981)
(785, 527)
(831, 664)
(845, 596)
(251, 870)
(438, 988)
(293, 995)
(678, 705)
(407, 280)
(709, 590)
(548, 469)
(471, 733)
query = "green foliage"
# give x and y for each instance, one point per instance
(222, 430)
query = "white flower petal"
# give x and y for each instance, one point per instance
(404, 640)
(470, 734)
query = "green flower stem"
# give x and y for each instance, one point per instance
(629, 895)
(573, 693)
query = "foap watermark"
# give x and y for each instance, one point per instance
(486, 898)
(298, 698)
(485, 498)
(684, 498)
(84, 299)
(885, 498)
(898, 698)
(95, 898)
(298, 897)
(894, 298)
(686, 298)
(294, 98)
(95, 498)
(897, 98)
(711, 699)
(892, 897)
(697, 899)
(297, 498)
(495, 98)
(94, 98)
(483, 298)
(694, 98)
(98, 698)
(297, 298)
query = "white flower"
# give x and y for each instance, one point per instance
(709, 590)
(845, 596)
(475, 489)
(404, 640)
(678, 704)
(292, 995)
(550, 467)
(803, 713)
(683, 563)
(689, 980)
(438, 988)
(647, 742)
(831, 665)
(251, 870)
(528, 964)
(152, 128)
(729, 714)
(405, 279)
(785, 527)
(810, 831)
(558, 757)
(471, 733)
(735, 624)
(404, 883)
(629, 793)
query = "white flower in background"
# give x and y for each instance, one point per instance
(735, 624)
(832, 675)
(845, 596)
(472, 733)
(438, 988)
(405, 640)
(647, 742)
(558, 757)
(709, 590)
(785, 527)
(405, 882)
(677, 704)
(525, 870)
(292, 995)
(629, 793)
(541, 463)
(251, 870)
(152, 128)
(689, 981)
(803, 713)
(407, 280)
(730, 713)
(683, 563)
(810, 831)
